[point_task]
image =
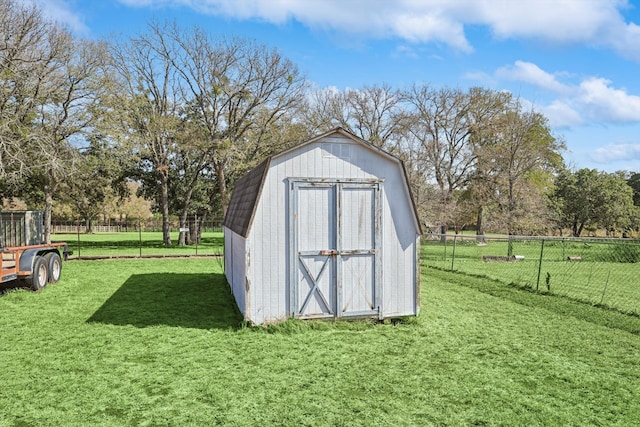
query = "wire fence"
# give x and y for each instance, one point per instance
(139, 239)
(603, 272)
(154, 224)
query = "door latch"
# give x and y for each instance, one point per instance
(330, 252)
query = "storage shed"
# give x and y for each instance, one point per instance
(326, 229)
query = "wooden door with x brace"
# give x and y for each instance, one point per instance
(335, 241)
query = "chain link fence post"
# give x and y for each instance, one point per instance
(453, 253)
(78, 232)
(604, 290)
(540, 264)
(444, 239)
(140, 237)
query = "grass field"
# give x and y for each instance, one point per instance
(606, 275)
(160, 342)
(133, 243)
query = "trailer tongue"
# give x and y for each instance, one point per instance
(25, 256)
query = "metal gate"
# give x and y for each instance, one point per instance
(335, 241)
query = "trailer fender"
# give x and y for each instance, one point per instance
(28, 257)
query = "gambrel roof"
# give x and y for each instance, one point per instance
(246, 193)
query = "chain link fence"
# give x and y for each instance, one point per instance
(139, 239)
(603, 272)
(153, 224)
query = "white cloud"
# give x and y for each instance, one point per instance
(594, 22)
(481, 77)
(532, 74)
(145, 3)
(561, 115)
(606, 103)
(622, 38)
(406, 19)
(565, 21)
(592, 100)
(404, 51)
(61, 12)
(427, 27)
(616, 152)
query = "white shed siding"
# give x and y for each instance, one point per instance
(268, 239)
(235, 267)
(399, 244)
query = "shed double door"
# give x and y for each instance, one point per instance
(335, 241)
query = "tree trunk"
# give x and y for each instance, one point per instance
(184, 238)
(194, 230)
(166, 231)
(203, 220)
(576, 228)
(200, 225)
(512, 207)
(446, 197)
(183, 224)
(48, 206)
(222, 186)
(479, 225)
(443, 233)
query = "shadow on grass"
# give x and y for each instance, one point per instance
(13, 285)
(201, 301)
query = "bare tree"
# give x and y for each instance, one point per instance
(325, 109)
(50, 83)
(238, 88)
(28, 54)
(68, 114)
(373, 113)
(444, 123)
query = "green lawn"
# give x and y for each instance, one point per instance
(606, 275)
(160, 342)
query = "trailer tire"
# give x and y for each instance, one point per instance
(39, 274)
(54, 266)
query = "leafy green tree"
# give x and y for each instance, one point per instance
(189, 165)
(516, 161)
(634, 183)
(145, 101)
(591, 198)
(98, 178)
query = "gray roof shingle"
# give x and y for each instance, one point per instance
(244, 198)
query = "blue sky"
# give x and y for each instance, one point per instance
(576, 61)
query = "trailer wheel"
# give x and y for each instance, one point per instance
(54, 266)
(38, 279)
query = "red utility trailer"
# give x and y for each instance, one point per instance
(24, 255)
